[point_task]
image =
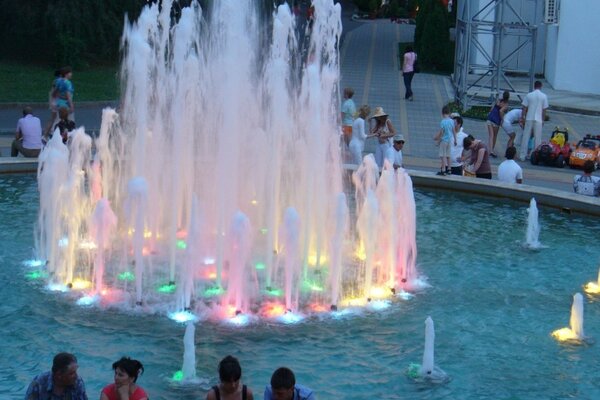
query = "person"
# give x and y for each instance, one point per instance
(359, 134)
(494, 120)
(348, 112)
(508, 170)
(445, 137)
(394, 153)
(230, 373)
(535, 105)
(65, 91)
(52, 98)
(64, 125)
(587, 184)
(456, 151)
(125, 387)
(284, 387)
(62, 382)
(479, 163)
(408, 71)
(383, 130)
(510, 118)
(28, 137)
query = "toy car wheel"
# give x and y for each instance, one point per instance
(560, 161)
(534, 158)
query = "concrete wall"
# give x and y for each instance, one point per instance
(572, 55)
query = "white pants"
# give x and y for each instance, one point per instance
(380, 153)
(537, 134)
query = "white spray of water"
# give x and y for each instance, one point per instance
(576, 321)
(367, 233)
(135, 209)
(238, 257)
(428, 359)
(533, 226)
(290, 237)
(102, 224)
(189, 352)
(336, 263)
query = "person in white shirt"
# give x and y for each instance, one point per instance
(587, 184)
(456, 150)
(509, 171)
(28, 138)
(534, 114)
(394, 153)
(359, 134)
(511, 118)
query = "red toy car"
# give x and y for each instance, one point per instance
(555, 152)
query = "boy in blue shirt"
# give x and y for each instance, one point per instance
(445, 137)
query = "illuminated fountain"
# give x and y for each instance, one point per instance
(593, 287)
(217, 187)
(533, 226)
(428, 371)
(575, 330)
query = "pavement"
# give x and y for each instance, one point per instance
(369, 64)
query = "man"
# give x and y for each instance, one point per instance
(587, 184)
(535, 105)
(509, 171)
(510, 118)
(394, 153)
(456, 151)
(284, 387)
(28, 138)
(60, 383)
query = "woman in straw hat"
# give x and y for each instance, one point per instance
(383, 130)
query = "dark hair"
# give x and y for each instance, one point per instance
(445, 110)
(510, 153)
(349, 92)
(61, 362)
(133, 368)
(458, 119)
(283, 378)
(57, 73)
(230, 369)
(505, 96)
(65, 70)
(467, 141)
(408, 49)
(588, 167)
(537, 85)
(27, 110)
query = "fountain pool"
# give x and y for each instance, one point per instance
(494, 302)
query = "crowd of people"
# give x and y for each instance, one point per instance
(63, 382)
(29, 136)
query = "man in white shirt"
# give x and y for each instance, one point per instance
(28, 138)
(394, 154)
(587, 184)
(456, 150)
(534, 114)
(509, 171)
(511, 118)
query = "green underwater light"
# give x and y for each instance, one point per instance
(36, 275)
(263, 231)
(126, 276)
(168, 288)
(274, 292)
(181, 244)
(178, 376)
(260, 265)
(213, 291)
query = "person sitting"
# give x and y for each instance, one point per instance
(125, 386)
(509, 171)
(284, 387)
(28, 137)
(230, 373)
(64, 125)
(587, 184)
(394, 154)
(62, 382)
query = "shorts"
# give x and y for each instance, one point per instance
(508, 128)
(492, 124)
(347, 131)
(444, 149)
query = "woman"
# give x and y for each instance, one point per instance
(125, 387)
(494, 120)
(408, 71)
(383, 130)
(65, 92)
(230, 373)
(479, 162)
(359, 134)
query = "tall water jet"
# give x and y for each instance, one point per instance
(533, 226)
(336, 261)
(575, 329)
(193, 254)
(188, 369)
(102, 225)
(428, 371)
(367, 233)
(238, 258)
(135, 208)
(290, 233)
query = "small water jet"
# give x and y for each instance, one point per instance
(533, 226)
(428, 371)
(593, 287)
(575, 330)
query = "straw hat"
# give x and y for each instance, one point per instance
(379, 112)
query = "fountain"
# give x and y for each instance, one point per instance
(575, 330)
(533, 226)
(428, 371)
(593, 287)
(227, 212)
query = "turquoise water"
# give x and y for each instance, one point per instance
(493, 302)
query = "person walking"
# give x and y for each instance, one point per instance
(408, 71)
(535, 105)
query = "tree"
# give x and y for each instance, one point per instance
(432, 38)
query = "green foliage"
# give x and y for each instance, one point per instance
(394, 10)
(363, 5)
(432, 37)
(475, 112)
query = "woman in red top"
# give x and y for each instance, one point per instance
(125, 387)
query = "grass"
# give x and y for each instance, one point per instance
(31, 83)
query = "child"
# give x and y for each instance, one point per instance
(445, 137)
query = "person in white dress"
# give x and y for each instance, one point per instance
(359, 134)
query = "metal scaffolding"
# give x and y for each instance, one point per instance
(489, 39)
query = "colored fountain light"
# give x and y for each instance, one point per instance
(87, 244)
(593, 287)
(126, 276)
(182, 316)
(34, 263)
(575, 330)
(34, 275)
(178, 376)
(167, 288)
